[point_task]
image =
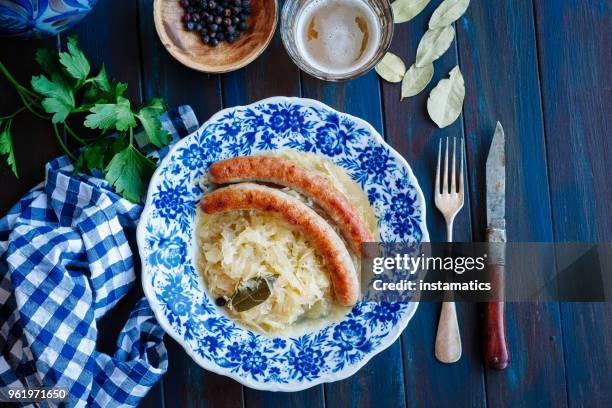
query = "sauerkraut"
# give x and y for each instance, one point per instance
(240, 245)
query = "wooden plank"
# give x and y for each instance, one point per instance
(109, 36)
(165, 77)
(119, 51)
(574, 53)
(272, 74)
(361, 97)
(312, 397)
(27, 130)
(488, 46)
(416, 137)
(188, 385)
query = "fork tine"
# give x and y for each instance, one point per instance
(453, 188)
(437, 188)
(445, 181)
(461, 170)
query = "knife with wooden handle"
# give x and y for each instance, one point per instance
(497, 355)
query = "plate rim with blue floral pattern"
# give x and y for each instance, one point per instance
(176, 292)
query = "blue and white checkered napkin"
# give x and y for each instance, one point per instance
(64, 262)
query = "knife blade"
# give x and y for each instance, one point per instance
(497, 353)
(496, 181)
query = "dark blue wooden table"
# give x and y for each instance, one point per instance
(541, 67)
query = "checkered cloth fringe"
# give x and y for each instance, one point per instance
(65, 261)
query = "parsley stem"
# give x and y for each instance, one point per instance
(131, 136)
(74, 135)
(11, 116)
(61, 142)
(28, 105)
(21, 89)
(83, 108)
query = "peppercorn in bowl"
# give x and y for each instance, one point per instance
(215, 36)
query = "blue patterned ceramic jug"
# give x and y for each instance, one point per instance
(40, 18)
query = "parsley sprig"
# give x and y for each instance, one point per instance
(67, 94)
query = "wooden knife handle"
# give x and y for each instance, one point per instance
(497, 355)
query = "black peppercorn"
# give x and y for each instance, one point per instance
(216, 20)
(220, 301)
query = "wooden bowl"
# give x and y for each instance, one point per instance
(188, 48)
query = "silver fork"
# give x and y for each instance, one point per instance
(449, 202)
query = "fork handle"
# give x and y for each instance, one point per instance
(497, 354)
(448, 339)
(449, 229)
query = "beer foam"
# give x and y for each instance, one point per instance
(337, 36)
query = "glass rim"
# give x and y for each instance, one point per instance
(387, 31)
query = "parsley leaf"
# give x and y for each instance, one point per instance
(128, 172)
(91, 157)
(98, 90)
(120, 88)
(111, 116)
(149, 117)
(75, 61)
(48, 61)
(6, 147)
(101, 80)
(59, 97)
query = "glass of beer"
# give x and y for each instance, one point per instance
(335, 40)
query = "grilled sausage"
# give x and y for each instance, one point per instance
(287, 173)
(246, 196)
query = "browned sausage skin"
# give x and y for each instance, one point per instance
(257, 197)
(287, 173)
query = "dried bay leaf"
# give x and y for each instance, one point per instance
(251, 293)
(447, 13)
(391, 68)
(446, 99)
(416, 79)
(433, 44)
(406, 10)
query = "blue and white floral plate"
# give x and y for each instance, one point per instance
(176, 291)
